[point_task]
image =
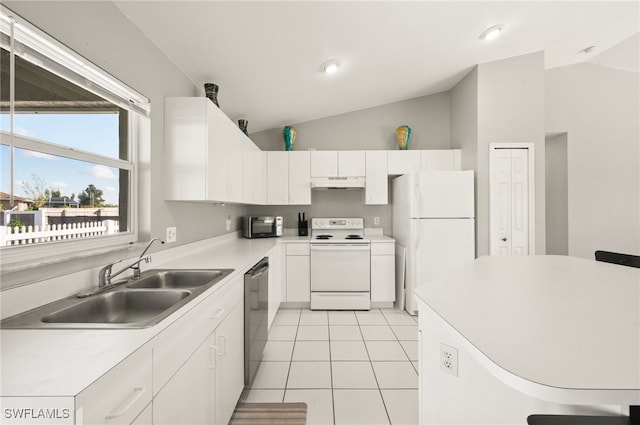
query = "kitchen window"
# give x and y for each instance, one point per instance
(69, 137)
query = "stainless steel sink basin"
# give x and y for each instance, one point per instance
(179, 279)
(118, 307)
(138, 303)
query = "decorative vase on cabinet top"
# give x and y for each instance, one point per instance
(289, 135)
(211, 90)
(403, 133)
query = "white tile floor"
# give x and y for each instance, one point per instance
(349, 367)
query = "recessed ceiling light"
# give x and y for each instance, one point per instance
(330, 67)
(492, 32)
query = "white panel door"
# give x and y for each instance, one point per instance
(510, 202)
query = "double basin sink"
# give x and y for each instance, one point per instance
(138, 303)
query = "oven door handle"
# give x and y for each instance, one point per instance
(339, 247)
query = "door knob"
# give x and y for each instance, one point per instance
(504, 239)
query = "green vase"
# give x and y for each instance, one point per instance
(289, 135)
(403, 133)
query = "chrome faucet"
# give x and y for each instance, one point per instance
(106, 274)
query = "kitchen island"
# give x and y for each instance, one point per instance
(535, 334)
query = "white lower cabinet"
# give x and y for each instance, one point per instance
(383, 272)
(189, 397)
(298, 273)
(146, 417)
(199, 361)
(120, 395)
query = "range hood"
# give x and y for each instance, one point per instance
(337, 182)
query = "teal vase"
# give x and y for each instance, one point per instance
(289, 135)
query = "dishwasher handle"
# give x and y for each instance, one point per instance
(259, 269)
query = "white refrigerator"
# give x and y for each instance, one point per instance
(433, 219)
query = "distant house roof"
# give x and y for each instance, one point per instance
(62, 201)
(5, 197)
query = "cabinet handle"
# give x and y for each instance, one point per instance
(217, 314)
(213, 350)
(135, 395)
(223, 339)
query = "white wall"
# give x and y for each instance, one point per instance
(372, 128)
(557, 215)
(464, 125)
(101, 33)
(511, 109)
(500, 102)
(598, 108)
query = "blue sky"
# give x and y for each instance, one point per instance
(96, 133)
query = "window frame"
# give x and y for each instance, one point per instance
(22, 39)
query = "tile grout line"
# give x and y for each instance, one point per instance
(295, 339)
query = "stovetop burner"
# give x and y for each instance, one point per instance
(324, 236)
(353, 237)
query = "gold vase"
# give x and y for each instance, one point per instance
(403, 133)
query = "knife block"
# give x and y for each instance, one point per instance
(303, 228)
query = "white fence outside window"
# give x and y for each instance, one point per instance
(24, 235)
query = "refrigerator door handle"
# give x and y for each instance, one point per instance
(418, 232)
(418, 201)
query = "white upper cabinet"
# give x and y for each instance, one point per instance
(337, 163)
(351, 163)
(299, 178)
(195, 157)
(377, 184)
(403, 162)
(324, 163)
(208, 158)
(277, 178)
(255, 175)
(440, 160)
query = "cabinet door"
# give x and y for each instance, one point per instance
(440, 160)
(144, 418)
(324, 163)
(189, 397)
(383, 278)
(229, 343)
(254, 186)
(299, 178)
(298, 278)
(377, 184)
(277, 178)
(235, 180)
(403, 162)
(219, 132)
(351, 163)
(185, 152)
(120, 395)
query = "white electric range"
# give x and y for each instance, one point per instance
(340, 264)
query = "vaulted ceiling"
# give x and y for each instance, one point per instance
(266, 56)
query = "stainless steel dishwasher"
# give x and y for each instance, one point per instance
(256, 300)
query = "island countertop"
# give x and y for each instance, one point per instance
(556, 322)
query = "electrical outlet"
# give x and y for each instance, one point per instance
(449, 359)
(171, 234)
(228, 223)
(376, 221)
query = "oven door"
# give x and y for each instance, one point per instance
(340, 267)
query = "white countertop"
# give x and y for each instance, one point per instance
(64, 362)
(563, 322)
